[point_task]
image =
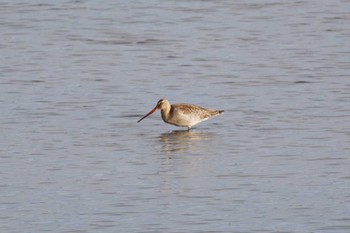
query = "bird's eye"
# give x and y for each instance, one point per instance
(160, 102)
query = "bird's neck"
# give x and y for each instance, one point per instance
(166, 112)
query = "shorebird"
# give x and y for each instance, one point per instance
(182, 115)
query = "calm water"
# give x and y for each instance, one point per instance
(75, 77)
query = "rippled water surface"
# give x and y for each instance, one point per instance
(75, 76)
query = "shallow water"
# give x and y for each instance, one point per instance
(76, 76)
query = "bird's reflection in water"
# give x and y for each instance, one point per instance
(183, 140)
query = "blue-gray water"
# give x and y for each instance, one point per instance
(75, 76)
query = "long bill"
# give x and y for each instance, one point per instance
(152, 111)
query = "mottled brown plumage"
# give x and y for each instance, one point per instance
(182, 115)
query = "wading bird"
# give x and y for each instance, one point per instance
(182, 115)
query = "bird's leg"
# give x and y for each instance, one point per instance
(188, 128)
